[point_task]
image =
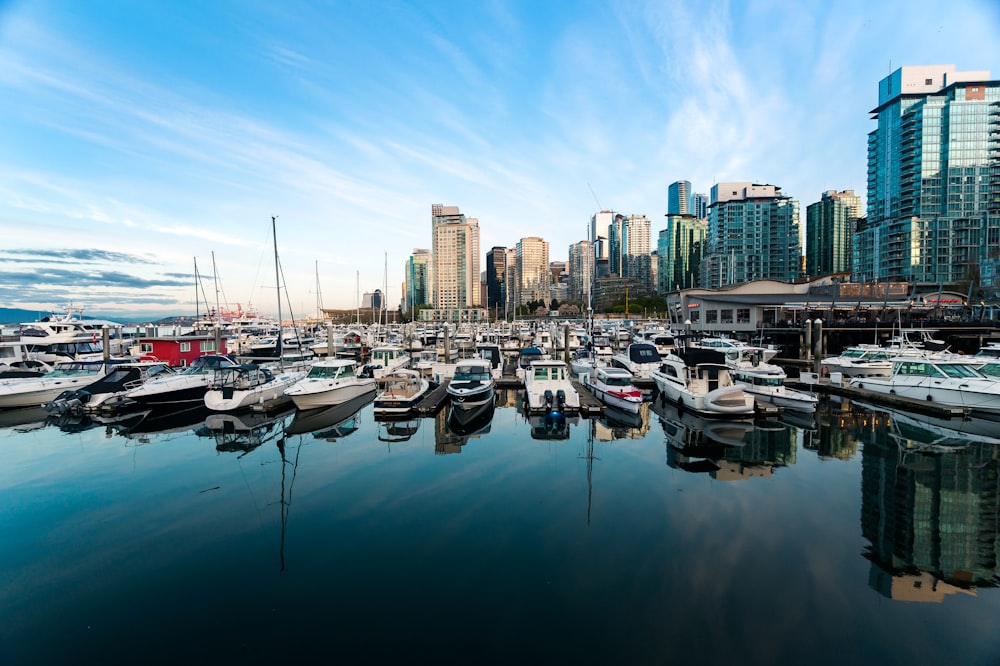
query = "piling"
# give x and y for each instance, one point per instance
(818, 342)
(106, 340)
(329, 339)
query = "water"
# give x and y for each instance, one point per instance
(854, 537)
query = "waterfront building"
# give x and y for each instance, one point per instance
(496, 273)
(581, 271)
(933, 210)
(533, 272)
(830, 226)
(680, 198)
(455, 259)
(680, 247)
(753, 234)
(417, 288)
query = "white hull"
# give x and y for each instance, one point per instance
(625, 404)
(32, 392)
(221, 400)
(727, 401)
(979, 395)
(317, 396)
(785, 398)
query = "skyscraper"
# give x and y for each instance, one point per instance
(581, 272)
(455, 259)
(417, 279)
(629, 247)
(680, 247)
(496, 272)
(680, 198)
(533, 274)
(753, 234)
(701, 206)
(600, 225)
(933, 178)
(830, 226)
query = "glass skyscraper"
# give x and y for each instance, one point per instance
(830, 226)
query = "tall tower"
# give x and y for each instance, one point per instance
(753, 234)
(830, 226)
(680, 247)
(933, 177)
(581, 272)
(417, 279)
(496, 272)
(455, 259)
(680, 198)
(533, 274)
(600, 228)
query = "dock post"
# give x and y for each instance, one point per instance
(329, 339)
(566, 343)
(106, 341)
(806, 345)
(818, 342)
(218, 339)
(447, 351)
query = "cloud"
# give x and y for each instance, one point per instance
(76, 255)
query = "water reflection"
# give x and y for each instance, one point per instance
(397, 430)
(725, 450)
(454, 428)
(331, 423)
(243, 432)
(618, 424)
(930, 507)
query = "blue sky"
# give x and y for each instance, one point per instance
(138, 137)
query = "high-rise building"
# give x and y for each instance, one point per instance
(629, 248)
(680, 248)
(680, 198)
(417, 290)
(510, 280)
(753, 234)
(701, 206)
(533, 273)
(600, 228)
(830, 226)
(455, 259)
(581, 272)
(496, 272)
(933, 210)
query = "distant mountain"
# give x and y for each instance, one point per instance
(14, 316)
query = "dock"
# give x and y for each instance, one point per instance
(827, 387)
(434, 401)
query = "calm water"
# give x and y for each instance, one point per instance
(854, 537)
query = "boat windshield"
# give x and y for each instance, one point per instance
(67, 369)
(617, 380)
(991, 369)
(471, 374)
(959, 370)
(331, 371)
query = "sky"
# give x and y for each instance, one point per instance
(139, 139)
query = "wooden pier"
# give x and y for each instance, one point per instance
(827, 387)
(433, 401)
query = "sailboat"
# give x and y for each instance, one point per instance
(244, 386)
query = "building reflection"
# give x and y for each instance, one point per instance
(929, 512)
(838, 429)
(453, 429)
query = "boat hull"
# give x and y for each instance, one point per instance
(331, 395)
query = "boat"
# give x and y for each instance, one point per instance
(403, 390)
(613, 387)
(244, 386)
(66, 375)
(858, 361)
(185, 388)
(989, 352)
(700, 380)
(525, 357)
(639, 358)
(766, 382)
(329, 382)
(66, 335)
(547, 388)
(725, 345)
(330, 422)
(472, 385)
(16, 362)
(386, 359)
(109, 392)
(948, 382)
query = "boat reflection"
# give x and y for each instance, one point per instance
(243, 432)
(726, 450)
(929, 509)
(331, 423)
(397, 430)
(23, 419)
(617, 423)
(166, 422)
(464, 423)
(452, 430)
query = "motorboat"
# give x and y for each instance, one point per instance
(859, 361)
(639, 358)
(547, 388)
(68, 335)
(109, 392)
(66, 375)
(731, 346)
(329, 382)
(525, 357)
(491, 352)
(990, 352)
(614, 387)
(948, 382)
(16, 362)
(243, 386)
(472, 385)
(184, 388)
(700, 380)
(766, 382)
(386, 359)
(402, 391)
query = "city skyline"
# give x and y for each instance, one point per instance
(141, 138)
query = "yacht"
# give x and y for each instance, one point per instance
(949, 382)
(766, 382)
(859, 361)
(547, 388)
(185, 388)
(472, 385)
(613, 387)
(386, 359)
(329, 382)
(66, 375)
(700, 380)
(243, 386)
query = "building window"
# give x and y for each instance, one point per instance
(743, 316)
(185, 347)
(207, 346)
(727, 316)
(145, 347)
(928, 82)
(711, 316)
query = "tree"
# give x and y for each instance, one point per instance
(554, 305)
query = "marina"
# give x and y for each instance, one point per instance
(802, 538)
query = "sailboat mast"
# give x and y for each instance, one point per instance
(277, 280)
(197, 309)
(215, 277)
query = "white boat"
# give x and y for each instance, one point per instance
(700, 380)
(108, 392)
(613, 387)
(66, 375)
(386, 359)
(726, 345)
(639, 358)
(16, 362)
(243, 386)
(990, 352)
(185, 388)
(329, 382)
(766, 382)
(68, 336)
(547, 388)
(859, 361)
(472, 385)
(402, 391)
(949, 382)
